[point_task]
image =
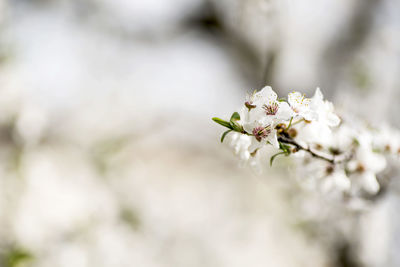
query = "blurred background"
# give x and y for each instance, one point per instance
(109, 157)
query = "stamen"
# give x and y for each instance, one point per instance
(271, 109)
(261, 132)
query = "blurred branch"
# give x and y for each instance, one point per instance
(211, 20)
(341, 53)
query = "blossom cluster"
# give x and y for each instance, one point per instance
(335, 153)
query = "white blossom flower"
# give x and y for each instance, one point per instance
(337, 180)
(262, 135)
(265, 107)
(387, 140)
(324, 176)
(240, 143)
(366, 164)
(333, 156)
(323, 110)
(301, 106)
(320, 118)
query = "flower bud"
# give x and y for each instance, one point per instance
(318, 147)
(387, 148)
(334, 151)
(329, 169)
(292, 132)
(249, 105)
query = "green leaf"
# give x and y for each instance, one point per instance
(236, 127)
(17, 257)
(356, 142)
(235, 117)
(274, 156)
(222, 122)
(282, 100)
(224, 135)
(285, 148)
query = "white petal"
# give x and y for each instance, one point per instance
(294, 98)
(273, 139)
(255, 145)
(341, 181)
(318, 94)
(269, 94)
(266, 95)
(284, 111)
(370, 183)
(249, 126)
(256, 114)
(309, 115)
(371, 160)
(332, 120)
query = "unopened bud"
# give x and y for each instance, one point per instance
(292, 132)
(249, 105)
(280, 126)
(318, 147)
(329, 169)
(334, 151)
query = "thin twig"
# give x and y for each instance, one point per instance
(295, 144)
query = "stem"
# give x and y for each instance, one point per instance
(290, 141)
(293, 143)
(290, 123)
(294, 123)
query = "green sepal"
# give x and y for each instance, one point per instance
(274, 156)
(222, 122)
(224, 135)
(235, 117)
(236, 127)
(356, 142)
(285, 148)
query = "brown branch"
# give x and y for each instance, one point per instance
(299, 147)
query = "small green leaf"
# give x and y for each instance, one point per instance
(235, 117)
(222, 122)
(285, 148)
(282, 100)
(274, 156)
(356, 142)
(224, 135)
(236, 127)
(16, 257)
(376, 150)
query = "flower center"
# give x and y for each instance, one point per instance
(360, 168)
(261, 132)
(271, 109)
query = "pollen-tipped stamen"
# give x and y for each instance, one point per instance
(261, 132)
(271, 109)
